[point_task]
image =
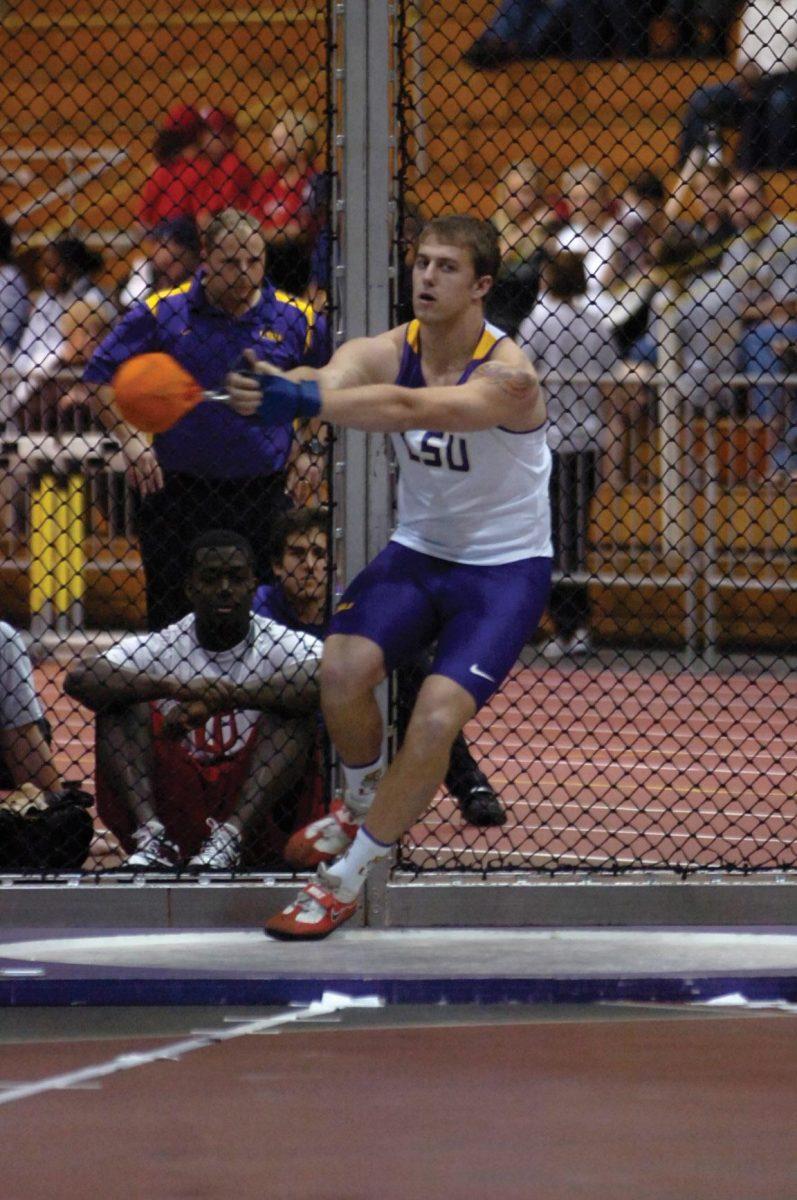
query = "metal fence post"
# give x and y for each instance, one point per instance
(364, 212)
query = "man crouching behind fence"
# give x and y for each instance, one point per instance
(206, 729)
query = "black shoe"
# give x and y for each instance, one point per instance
(481, 806)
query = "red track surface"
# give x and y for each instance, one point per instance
(599, 767)
(573, 1110)
(637, 768)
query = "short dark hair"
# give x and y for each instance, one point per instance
(565, 275)
(477, 236)
(78, 258)
(649, 186)
(297, 521)
(212, 539)
(180, 230)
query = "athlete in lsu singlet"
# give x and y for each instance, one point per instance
(468, 567)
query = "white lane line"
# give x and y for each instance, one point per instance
(330, 1002)
(90, 1086)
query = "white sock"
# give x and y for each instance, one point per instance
(351, 870)
(361, 784)
(152, 826)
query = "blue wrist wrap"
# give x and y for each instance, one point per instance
(283, 400)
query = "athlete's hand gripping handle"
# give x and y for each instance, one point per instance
(264, 392)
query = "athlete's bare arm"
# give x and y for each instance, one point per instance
(360, 361)
(356, 392)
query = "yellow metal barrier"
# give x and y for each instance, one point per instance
(57, 553)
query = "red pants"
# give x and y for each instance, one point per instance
(187, 791)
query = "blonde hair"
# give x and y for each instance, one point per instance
(231, 220)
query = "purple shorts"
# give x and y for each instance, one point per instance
(480, 616)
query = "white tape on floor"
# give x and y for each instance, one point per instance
(739, 1000)
(330, 1002)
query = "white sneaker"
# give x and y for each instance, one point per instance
(572, 647)
(153, 847)
(221, 851)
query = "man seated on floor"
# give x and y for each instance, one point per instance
(205, 728)
(25, 756)
(46, 825)
(299, 599)
(299, 555)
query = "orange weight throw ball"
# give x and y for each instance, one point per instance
(152, 392)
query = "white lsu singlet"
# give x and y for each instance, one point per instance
(478, 497)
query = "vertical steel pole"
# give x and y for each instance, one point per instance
(365, 212)
(365, 215)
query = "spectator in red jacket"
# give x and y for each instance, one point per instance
(226, 181)
(169, 193)
(288, 199)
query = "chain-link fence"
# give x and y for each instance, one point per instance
(638, 162)
(157, 161)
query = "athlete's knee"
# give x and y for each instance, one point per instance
(433, 728)
(349, 667)
(124, 742)
(117, 727)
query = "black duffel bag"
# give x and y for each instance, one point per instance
(45, 831)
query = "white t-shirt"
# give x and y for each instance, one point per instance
(571, 346)
(38, 356)
(19, 704)
(597, 247)
(174, 652)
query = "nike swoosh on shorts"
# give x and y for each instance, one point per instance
(476, 670)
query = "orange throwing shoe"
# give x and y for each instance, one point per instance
(314, 914)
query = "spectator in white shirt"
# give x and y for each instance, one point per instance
(67, 267)
(592, 230)
(571, 346)
(24, 751)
